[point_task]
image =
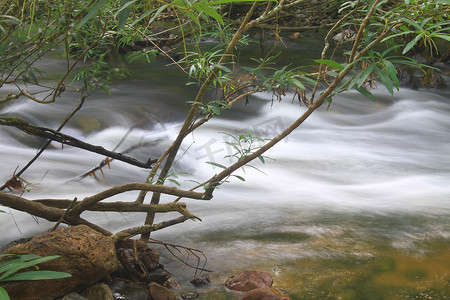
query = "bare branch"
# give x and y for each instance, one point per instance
(69, 140)
(146, 228)
(90, 201)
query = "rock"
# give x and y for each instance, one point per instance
(201, 280)
(295, 35)
(98, 291)
(190, 295)
(265, 293)
(85, 253)
(347, 35)
(249, 280)
(150, 258)
(433, 80)
(172, 284)
(128, 291)
(74, 296)
(158, 292)
(158, 275)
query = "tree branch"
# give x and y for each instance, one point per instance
(71, 141)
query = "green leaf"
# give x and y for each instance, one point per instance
(91, 12)
(442, 36)
(365, 73)
(3, 294)
(392, 73)
(217, 2)
(216, 164)
(412, 43)
(386, 80)
(157, 13)
(38, 275)
(330, 63)
(16, 266)
(10, 19)
(366, 93)
(215, 110)
(174, 181)
(124, 13)
(412, 23)
(191, 16)
(297, 84)
(261, 158)
(211, 12)
(239, 177)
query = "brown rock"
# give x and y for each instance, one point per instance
(159, 292)
(97, 292)
(249, 280)
(172, 284)
(265, 293)
(86, 254)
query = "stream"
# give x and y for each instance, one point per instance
(355, 204)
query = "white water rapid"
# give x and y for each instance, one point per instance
(353, 183)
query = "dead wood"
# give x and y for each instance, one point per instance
(69, 140)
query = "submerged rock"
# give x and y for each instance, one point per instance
(201, 280)
(98, 291)
(159, 292)
(249, 280)
(265, 293)
(123, 290)
(74, 296)
(85, 253)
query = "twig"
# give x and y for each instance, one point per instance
(64, 215)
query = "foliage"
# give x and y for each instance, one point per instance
(11, 264)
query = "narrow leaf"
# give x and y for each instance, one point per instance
(216, 164)
(366, 93)
(412, 43)
(442, 36)
(11, 19)
(212, 13)
(330, 63)
(365, 73)
(216, 2)
(92, 11)
(392, 72)
(157, 13)
(386, 80)
(38, 275)
(297, 83)
(23, 265)
(239, 177)
(261, 158)
(3, 294)
(124, 13)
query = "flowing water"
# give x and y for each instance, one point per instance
(355, 204)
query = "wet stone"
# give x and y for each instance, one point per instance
(158, 292)
(122, 290)
(265, 293)
(158, 275)
(249, 280)
(74, 296)
(190, 295)
(98, 291)
(201, 280)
